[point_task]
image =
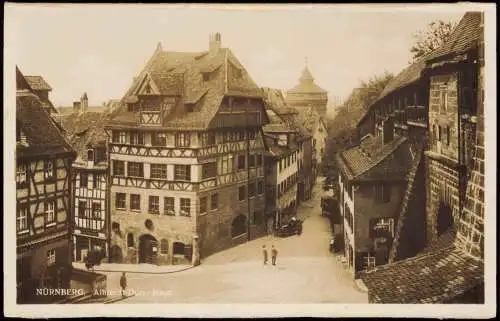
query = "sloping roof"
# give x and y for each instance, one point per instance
(37, 83)
(43, 135)
(465, 36)
(370, 159)
(181, 74)
(406, 77)
(83, 131)
(435, 277)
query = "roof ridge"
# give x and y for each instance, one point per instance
(392, 150)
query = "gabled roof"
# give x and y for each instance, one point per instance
(43, 135)
(465, 36)
(373, 160)
(84, 131)
(181, 75)
(434, 277)
(37, 83)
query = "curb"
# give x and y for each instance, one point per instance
(145, 272)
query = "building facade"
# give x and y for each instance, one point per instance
(372, 181)
(43, 185)
(186, 156)
(85, 132)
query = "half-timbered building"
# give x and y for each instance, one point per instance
(186, 158)
(43, 185)
(85, 132)
(452, 264)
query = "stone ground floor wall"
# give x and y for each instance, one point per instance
(444, 191)
(36, 271)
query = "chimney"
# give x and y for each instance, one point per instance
(215, 43)
(387, 130)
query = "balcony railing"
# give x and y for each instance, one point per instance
(417, 115)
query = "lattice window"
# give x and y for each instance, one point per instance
(169, 206)
(51, 257)
(159, 171)
(50, 215)
(135, 169)
(135, 202)
(207, 139)
(22, 218)
(154, 204)
(182, 172)
(118, 168)
(136, 138)
(209, 170)
(182, 140)
(185, 207)
(120, 200)
(122, 137)
(21, 173)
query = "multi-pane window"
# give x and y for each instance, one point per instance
(135, 169)
(203, 204)
(368, 262)
(22, 218)
(182, 172)
(84, 179)
(241, 162)
(159, 171)
(185, 207)
(154, 204)
(382, 227)
(97, 181)
(96, 210)
(251, 190)
(168, 204)
(82, 208)
(48, 169)
(207, 138)
(382, 193)
(158, 139)
(118, 168)
(241, 193)
(136, 138)
(208, 170)
(51, 257)
(226, 164)
(120, 200)
(260, 187)
(50, 215)
(21, 173)
(115, 137)
(182, 139)
(164, 246)
(251, 134)
(135, 202)
(214, 201)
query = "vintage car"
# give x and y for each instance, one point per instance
(294, 227)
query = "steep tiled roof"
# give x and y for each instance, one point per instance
(374, 160)
(435, 277)
(406, 77)
(37, 83)
(182, 74)
(43, 135)
(465, 36)
(306, 84)
(83, 131)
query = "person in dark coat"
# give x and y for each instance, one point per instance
(264, 251)
(274, 254)
(123, 283)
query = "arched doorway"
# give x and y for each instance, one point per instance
(148, 249)
(444, 218)
(239, 226)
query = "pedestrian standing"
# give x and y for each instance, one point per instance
(123, 283)
(264, 251)
(274, 254)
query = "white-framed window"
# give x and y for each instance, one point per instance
(185, 207)
(48, 169)
(182, 139)
(21, 173)
(169, 205)
(50, 215)
(51, 257)
(154, 204)
(159, 171)
(369, 261)
(22, 218)
(182, 172)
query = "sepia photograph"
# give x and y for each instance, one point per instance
(250, 160)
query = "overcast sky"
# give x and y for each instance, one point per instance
(99, 49)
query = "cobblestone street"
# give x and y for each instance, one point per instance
(306, 272)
